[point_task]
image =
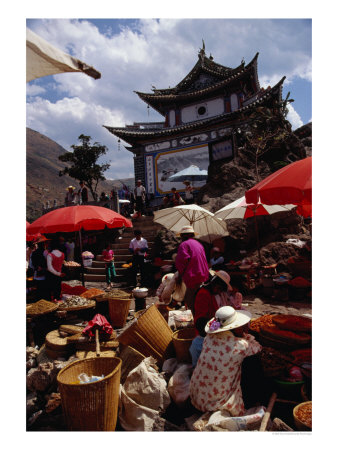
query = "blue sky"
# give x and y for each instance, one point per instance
(138, 53)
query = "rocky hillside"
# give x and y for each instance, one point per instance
(42, 174)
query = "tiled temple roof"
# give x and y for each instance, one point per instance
(133, 135)
(205, 65)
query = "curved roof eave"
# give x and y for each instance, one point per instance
(124, 133)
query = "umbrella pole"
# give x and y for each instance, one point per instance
(82, 267)
(257, 237)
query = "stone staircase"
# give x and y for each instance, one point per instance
(122, 255)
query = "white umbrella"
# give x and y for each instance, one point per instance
(206, 226)
(240, 209)
(44, 59)
(192, 173)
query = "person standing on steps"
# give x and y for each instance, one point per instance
(108, 258)
(83, 193)
(140, 198)
(138, 248)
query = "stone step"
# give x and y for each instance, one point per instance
(102, 278)
(101, 264)
(101, 270)
(126, 245)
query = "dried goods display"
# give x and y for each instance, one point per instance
(304, 414)
(285, 335)
(40, 307)
(71, 264)
(274, 362)
(293, 323)
(91, 293)
(256, 324)
(75, 302)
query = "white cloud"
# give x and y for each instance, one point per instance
(33, 89)
(294, 118)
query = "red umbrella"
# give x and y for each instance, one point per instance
(75, 218)
(291, 184)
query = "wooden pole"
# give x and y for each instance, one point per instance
(82, 267)
(257, 237)
(268, 412)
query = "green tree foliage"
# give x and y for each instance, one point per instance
(83, 163)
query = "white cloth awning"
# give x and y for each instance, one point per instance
(44, 59)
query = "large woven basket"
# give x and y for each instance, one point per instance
(182, 340)
(150, 335)
(119, 310)
(131, 358)
(91, 406)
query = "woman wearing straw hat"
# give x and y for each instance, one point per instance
(216, 381)
(214, 294)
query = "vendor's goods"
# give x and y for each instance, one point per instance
(149, 334)
(40, 307)
(183, 319)
(105, 296)
(182, 340)
(74, 302)
(256, 324)
(72, 290)
(273, 362)
(92, 293)
(302, 414)
(91, 406)
(293, 323)
(71, 264)
(143, 395)
(301, 356)
(287, 336)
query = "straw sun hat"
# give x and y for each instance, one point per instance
(222, 275)
(187, 229)
(226, 319)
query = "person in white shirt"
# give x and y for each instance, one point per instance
(140, 197)
(138, 248)
(189, 189)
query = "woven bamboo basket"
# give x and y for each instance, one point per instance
(71, 329)
(131, 358)
(91, 406)
(150, 335)
(182, 340)
(119, 310)
(83, 354)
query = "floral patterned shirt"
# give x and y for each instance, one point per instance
(215, 382)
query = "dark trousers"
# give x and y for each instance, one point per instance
(138, 265)
(41, 290)
(53, 286)
(139, 206)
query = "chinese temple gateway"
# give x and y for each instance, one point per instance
(203, 116)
